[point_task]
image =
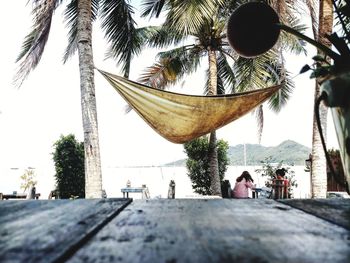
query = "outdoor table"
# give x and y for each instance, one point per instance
(175, 230)
(256, 191)
(128, 190)
(17, 196)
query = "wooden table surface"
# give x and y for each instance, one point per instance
(175, 230)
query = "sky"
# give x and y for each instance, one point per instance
(47, 106)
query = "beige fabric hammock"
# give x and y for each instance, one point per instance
(180, 118)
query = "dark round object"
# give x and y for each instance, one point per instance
(252, 29)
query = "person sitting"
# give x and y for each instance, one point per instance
(243, 182)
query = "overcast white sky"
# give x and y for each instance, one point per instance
(48, 105)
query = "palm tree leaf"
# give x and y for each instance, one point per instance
(188, 16)
(288, 14)
(162, 36)
(70, 17)
(35, 42)
(189, 56)
(171, 67)
(159, 75)
(252, 73)
(153, 7)
(124, 54)
(312, 6)
(280, 98)
(292, 43)
(120, 31)
(225, 72)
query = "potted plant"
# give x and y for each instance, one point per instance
(249, 38)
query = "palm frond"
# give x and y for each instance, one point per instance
(189, 56)
(342, 10)
(120, 31)
(35, 42)
(290, 42)
(280, 98)
(188, 16)
(70, 18)
(289, 13)
(162, 36)
(225, 72)
(313, 11)
(252, 73)
(228, 7)
(171, 68)
(153, 8)
(160, 74)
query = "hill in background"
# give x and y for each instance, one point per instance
(289, 152)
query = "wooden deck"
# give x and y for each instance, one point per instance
(175, 230)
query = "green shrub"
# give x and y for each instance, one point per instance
(69, 165)
(198, 163)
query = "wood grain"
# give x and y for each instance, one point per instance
(51, 230)
(336, 210)
(216, 230)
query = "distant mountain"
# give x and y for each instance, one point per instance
(289, 152)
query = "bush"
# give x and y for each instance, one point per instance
(198, 163)
(69, 165)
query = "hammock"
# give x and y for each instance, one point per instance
(180, 118)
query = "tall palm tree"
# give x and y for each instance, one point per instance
(321, 28)
(118, 25)
(208, 38)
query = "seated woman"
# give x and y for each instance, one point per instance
(243, 182)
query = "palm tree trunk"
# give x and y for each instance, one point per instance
(93, 175)
(215, 185)
(319, 163)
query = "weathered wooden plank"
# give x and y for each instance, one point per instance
(11, 210)
(334, 210)
(50, 230)
(175, 230)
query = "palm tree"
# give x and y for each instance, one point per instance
(319, 164)
(208, 38)
(118, 25)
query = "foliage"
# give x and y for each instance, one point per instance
(198, 37)
(341, 59)
(269, 170)
(28, 179)
(198, 163)
(69, 165)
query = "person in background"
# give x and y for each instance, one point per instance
(280, 174)
(243, 182)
